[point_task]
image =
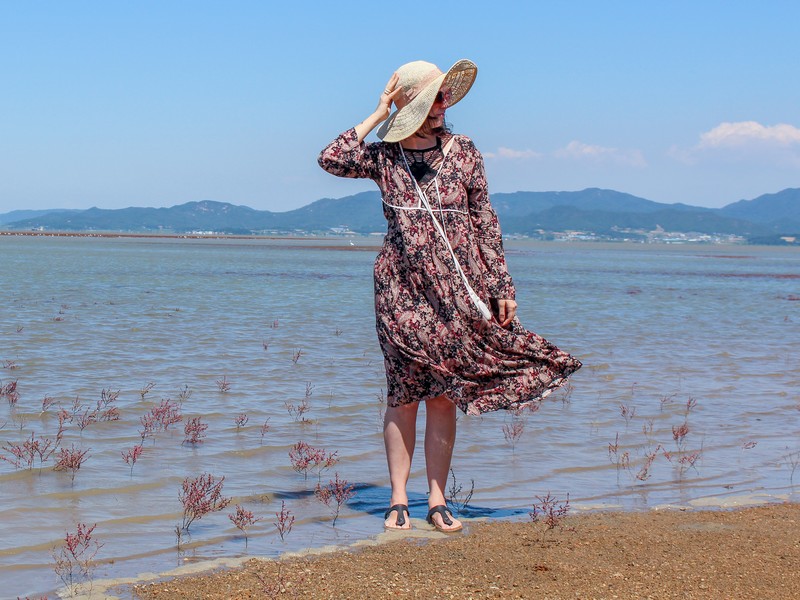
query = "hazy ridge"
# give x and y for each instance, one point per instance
(598, 211)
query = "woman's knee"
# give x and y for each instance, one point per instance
(440, 405)
(402, 413)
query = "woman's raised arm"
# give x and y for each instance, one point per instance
(383, 110)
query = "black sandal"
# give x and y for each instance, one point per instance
(401, 519)
(446, 514)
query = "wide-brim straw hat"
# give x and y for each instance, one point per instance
(421, 81)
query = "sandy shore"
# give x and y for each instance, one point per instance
(735, 554)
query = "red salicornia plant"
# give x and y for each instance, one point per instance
(240, 420)
(194, 431)
(679, 433)
(666, 400)
(86, 418)
(47, 402)
(650, 457)
(73, 559)
(298, 411)
(149, 425)
(263, 430)
(24, 454)
(223, 384)
(621, 461)
(106, 410)
(167, 413)
(243, 519)
(64, 417)
(184, 395)
(627, 413)
(9, 392)
(131, 455)
(334, 494)
(285, 520)
(199, 496)
(160, 417)
(513, 431)
(688, 460)
(300, 457)
(146, 389)
(549, 510)
(70, 460)
(458, 498)
(305, 457)
(792, 461)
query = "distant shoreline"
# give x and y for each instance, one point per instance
(298, 240)
(121, 234)
(346, 237)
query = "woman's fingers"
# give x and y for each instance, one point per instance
(391, 84)
(388, 95)
(391, 90)
(506, 311)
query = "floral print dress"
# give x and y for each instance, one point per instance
(434, 340)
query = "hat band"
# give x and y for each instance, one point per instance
(421, 85)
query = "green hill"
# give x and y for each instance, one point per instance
(603, 212)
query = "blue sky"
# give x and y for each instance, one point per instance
(116, 104)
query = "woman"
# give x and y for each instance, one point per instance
(441, 262)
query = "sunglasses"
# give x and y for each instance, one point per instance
(444, 97)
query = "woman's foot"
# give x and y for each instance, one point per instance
(442, 519)
(397, 517)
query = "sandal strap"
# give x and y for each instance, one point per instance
(401, 510)
(442, 510)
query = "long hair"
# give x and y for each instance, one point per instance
(425, 129)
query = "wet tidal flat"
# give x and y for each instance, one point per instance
(688, 395)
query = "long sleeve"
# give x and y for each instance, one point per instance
(486, 229)
(346, 157)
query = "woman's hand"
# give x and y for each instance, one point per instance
(382, 112)
(506, 311)
(390, 92)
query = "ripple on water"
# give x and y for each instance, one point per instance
(657, 329)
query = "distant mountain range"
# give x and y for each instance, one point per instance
(606, 213)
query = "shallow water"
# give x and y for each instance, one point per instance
(657, 327)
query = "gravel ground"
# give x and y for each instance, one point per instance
(734, 554)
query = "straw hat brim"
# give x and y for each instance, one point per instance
(406, 121)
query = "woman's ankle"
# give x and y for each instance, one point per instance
(398, 499)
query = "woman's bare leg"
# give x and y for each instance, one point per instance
(440, 438)
(400, 435)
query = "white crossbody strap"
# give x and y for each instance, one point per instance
(476, 300)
